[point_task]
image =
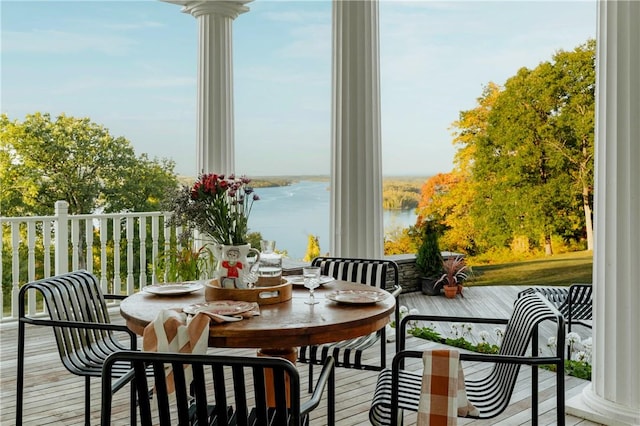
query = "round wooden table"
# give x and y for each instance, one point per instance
(279, 326)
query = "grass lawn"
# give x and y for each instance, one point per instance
(556, 270)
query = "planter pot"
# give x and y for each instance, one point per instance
(429, 287)
(450, 291)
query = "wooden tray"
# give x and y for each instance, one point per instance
(263, 295)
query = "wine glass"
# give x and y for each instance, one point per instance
(311, 276)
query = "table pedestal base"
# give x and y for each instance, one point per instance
(287, 353)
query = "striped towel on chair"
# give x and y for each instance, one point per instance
(443, 397)
(169, 333)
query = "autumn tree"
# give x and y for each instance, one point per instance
(449, 198)
(313, 248)
(399, 241)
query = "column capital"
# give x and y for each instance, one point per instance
(228, 8)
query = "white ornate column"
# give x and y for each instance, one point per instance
(356, 168)
(215, 122)
(613, 397)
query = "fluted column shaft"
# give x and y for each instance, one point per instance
(356, 168)
(215, 109)
(614, 393)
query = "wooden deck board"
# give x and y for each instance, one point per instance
(55, 397)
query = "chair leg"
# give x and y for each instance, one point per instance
(383, 346)
(566, 343)
(534, 378)
(560, 389)
(87, 401)
(310, 376)
(20, 378)
(331, 398)
(132, 403)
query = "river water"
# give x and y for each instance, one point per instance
(289, 214)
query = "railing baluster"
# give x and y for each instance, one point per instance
(88, 237)
(104, 237)
(142, 233)
(167, 250)
(15, 267)
(61, 228)
(117, 280)
(75, 243)
(31, 261)
(155, 222)
(130, 280)
(31, 250)
(46, 248)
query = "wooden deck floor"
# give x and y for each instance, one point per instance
(55, 397)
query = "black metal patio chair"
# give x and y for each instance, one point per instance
(398, 389)
(575, 302)
(380, 273)
(77, 313)
(234, 393)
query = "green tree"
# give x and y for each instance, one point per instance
(428, 257)
(73, 159)
(532, 165)
(523, 175)
(524, 165)
(575, 73)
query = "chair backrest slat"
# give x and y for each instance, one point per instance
(529, 311)
(75, 296)
(212, 407)
(240, 390)
(372, 272)
(580, 302)
(574, 303)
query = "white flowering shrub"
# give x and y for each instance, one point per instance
(461, 335)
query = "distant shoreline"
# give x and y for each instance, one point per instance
(322, 178)
(399, 192)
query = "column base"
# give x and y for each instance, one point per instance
(587, 405)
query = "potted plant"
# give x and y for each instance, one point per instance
(219, 207)
(455, 272)
(429, 260)
(185, 264)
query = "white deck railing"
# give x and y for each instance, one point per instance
(121, 249)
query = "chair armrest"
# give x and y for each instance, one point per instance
(396, 291)
(493, 358)
(115, 296)
(327, 376)
(84, 325)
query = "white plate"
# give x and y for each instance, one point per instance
(172, 289)
(220, 307)
(356, 297)
(299, 279)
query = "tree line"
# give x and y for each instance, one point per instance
(43, 160)
(523, 170)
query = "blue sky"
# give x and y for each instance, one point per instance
(131, 67)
